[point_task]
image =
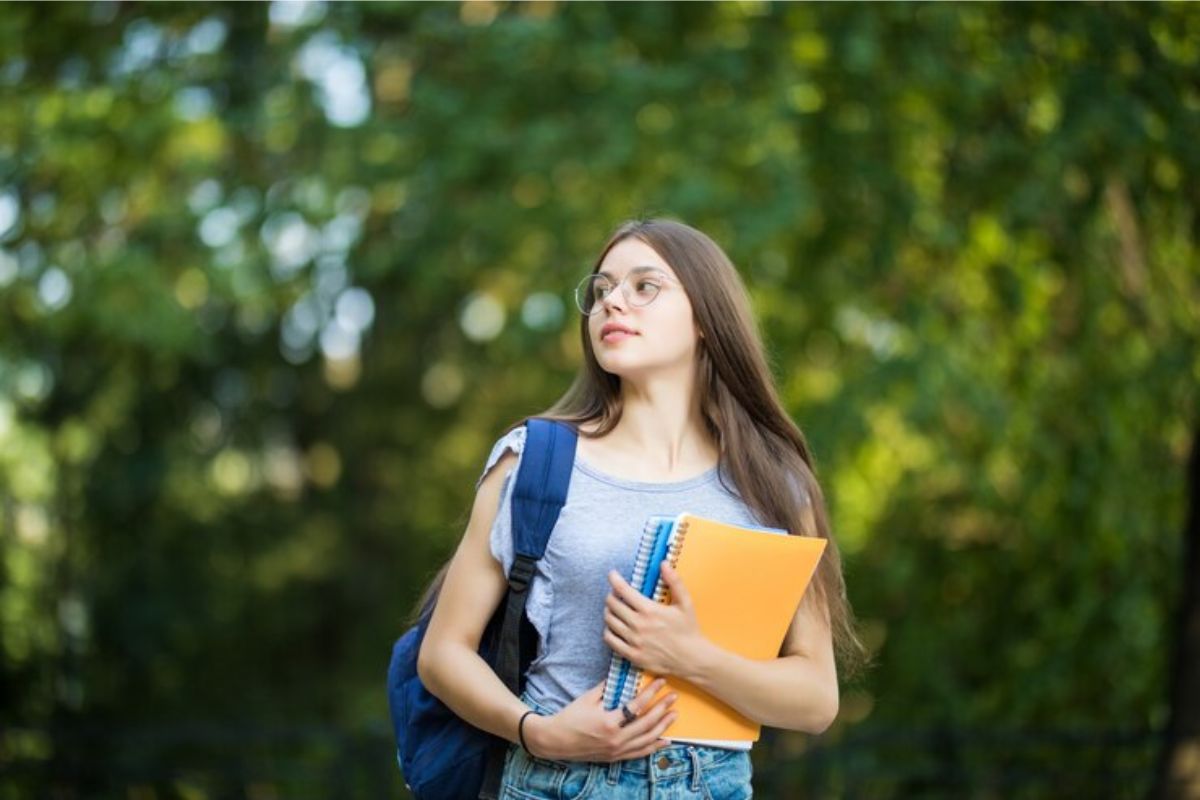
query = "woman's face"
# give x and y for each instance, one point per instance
(663, 332)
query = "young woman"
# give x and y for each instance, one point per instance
(676, 411)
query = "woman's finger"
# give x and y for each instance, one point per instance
(679, 593)
(659, 723)
(618, 627)
(650, 742)
(618, 646)
(639, 704)
(642, 702)
(632, 597)
(648, 720)
(619, 609)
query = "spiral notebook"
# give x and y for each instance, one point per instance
(746, 584)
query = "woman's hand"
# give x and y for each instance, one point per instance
(584, 731)
(657, 637)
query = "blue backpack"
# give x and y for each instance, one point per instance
(442, 756)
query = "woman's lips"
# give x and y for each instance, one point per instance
(616, 336)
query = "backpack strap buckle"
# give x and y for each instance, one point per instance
(521, 573)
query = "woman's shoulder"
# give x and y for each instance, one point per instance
(513, 440)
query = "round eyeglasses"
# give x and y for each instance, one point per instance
(640, 286)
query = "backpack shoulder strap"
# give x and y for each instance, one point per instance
(542, 483)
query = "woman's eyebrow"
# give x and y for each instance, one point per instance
(645, 268)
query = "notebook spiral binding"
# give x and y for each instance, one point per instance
(661, 593)
(619, 667)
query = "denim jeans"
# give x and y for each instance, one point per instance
(676, 772)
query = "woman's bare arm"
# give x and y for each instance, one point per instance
(796, 691)
(449, 663)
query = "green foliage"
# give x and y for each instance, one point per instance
(272, 279)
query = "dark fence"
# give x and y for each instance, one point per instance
(211, 762)
(955, 763)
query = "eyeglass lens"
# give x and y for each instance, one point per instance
(639, 289)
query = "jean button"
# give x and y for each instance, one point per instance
(663, 762)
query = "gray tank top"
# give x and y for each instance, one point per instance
(597, 530)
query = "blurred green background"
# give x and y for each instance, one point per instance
(274, 277)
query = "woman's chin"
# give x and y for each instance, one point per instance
(615, 366)
(626, 367)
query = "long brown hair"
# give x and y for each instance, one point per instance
(762, 451)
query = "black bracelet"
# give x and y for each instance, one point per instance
(521, 730)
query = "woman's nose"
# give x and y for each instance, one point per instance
(615, 298)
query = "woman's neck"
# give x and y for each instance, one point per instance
(660, 433)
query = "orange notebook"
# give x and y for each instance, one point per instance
(745, 584)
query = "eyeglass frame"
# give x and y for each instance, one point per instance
(642, 270)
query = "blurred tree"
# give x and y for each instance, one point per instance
(273, 277)
(1178, 776)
